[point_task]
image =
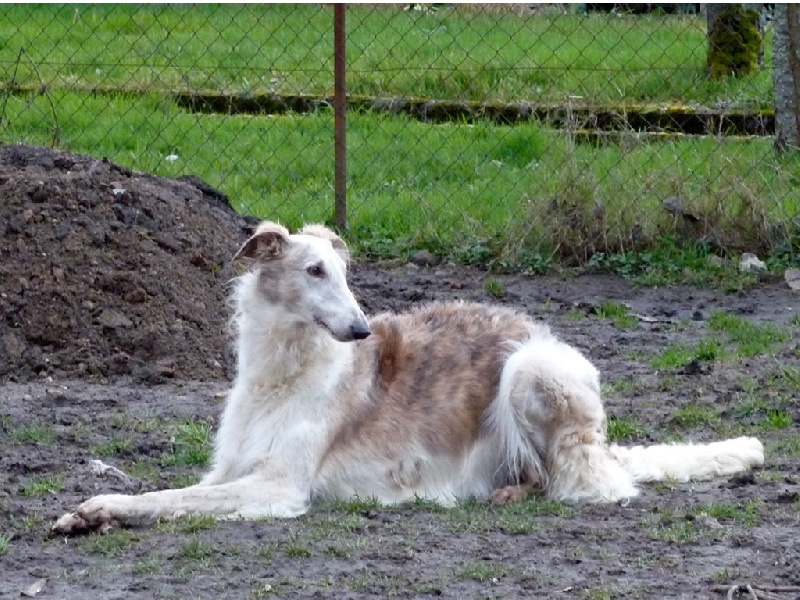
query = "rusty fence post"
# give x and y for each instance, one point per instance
(339, 110)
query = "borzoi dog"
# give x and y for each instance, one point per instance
(447, 402)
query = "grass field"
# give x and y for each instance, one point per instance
(524, 196)
(456, 52)
(470, 189)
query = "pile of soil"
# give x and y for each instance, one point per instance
(106, 272)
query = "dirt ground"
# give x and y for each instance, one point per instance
(693, 540)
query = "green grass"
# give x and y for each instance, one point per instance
(456, 52)
(111, 544)
(191, 444)
(677, 532)
(751, 339)
(624, 429)
(748, 514)
(115, 445)
(681, 354)
(414, 186)
(5, 543)
(777, 419)
(40, 485)
(196, 549)
(693, 416)
(33, 434)
(787, 447)
(617, 313)
(494, 288)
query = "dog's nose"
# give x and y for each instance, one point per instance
(360, 331)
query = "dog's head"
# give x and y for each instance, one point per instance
(305, 276)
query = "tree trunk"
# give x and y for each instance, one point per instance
(735, 39)
(786, 64)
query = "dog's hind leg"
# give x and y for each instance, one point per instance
(550, 419)
(251, 497)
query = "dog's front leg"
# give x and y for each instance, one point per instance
(251, 497)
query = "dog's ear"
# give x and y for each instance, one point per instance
(269, 241)
(326, 234)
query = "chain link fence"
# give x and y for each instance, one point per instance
(519, 134)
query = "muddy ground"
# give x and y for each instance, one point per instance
(675, 541)
(114, 346)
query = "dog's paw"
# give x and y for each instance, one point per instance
(512, 493)
(99, 513)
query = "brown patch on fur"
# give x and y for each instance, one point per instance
(434, 373)
(269, 241)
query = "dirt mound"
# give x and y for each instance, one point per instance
(106, 272)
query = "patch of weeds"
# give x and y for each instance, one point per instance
(184, 480)
(196, 549)
(618, 314)
(494, 288)
(514, 518)
(151, 564)
(624, 429)
(327, 525)
(776, 419)
(33, 434)
(598, 593)
(787, 447)
(667, 383)
(791, 375)
(673, 357)
(111, 544)
(186, 524)
(677, 532)
(666, 486)
(191, 444)
(294, 548)
(481, 571)
(751, 339)
(751, 406)
(576, 315)
(692, 416)
(39, 485)
(5, 544)
(620, 387)
(357, 505)
(31, 522)
(748, 514)
(680, 354)
(116, 445)
(143, 469)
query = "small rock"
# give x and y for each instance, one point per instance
(749, 263)
(716, 262)
(673, 205)
(792, 278)
(113, 319)
(424, 258)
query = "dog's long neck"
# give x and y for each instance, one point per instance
(275, 354)
(280, 351)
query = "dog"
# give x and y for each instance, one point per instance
(447, 402)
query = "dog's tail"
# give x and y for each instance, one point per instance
(682, 462)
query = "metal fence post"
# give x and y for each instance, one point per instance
(340, 108)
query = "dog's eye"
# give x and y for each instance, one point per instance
(316, 271)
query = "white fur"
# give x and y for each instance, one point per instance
(284, 441)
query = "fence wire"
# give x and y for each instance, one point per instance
(517, 133)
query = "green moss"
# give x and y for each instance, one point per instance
(734, 42)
